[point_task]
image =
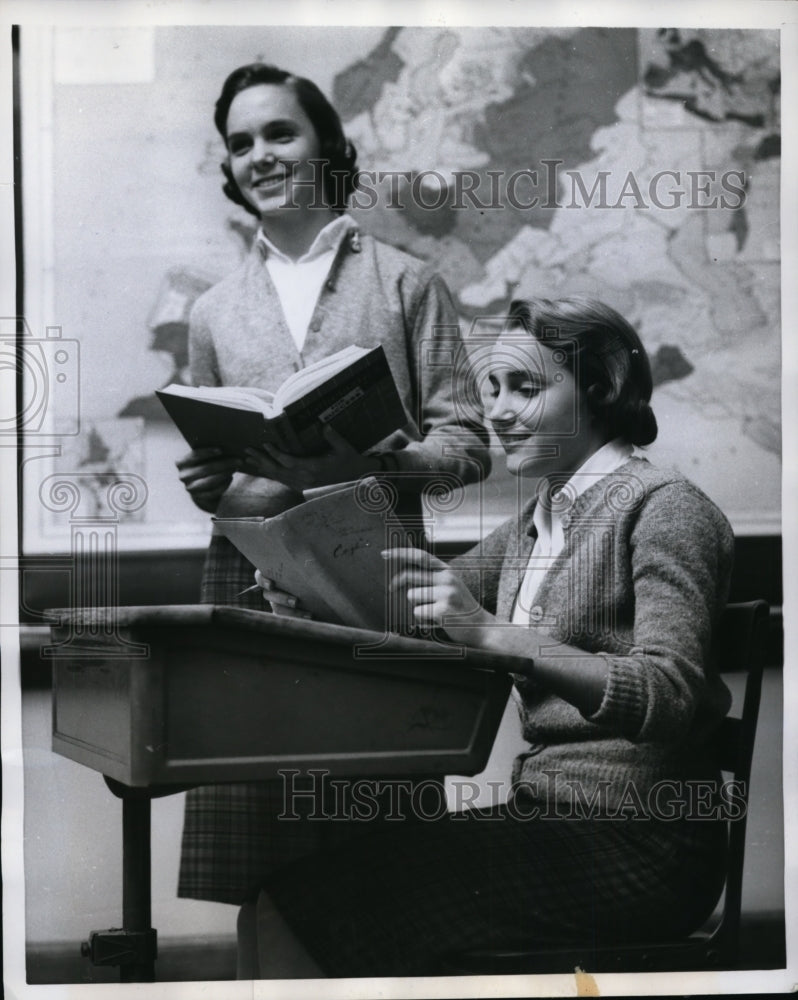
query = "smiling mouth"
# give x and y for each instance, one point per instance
(510, 442)
(267, 183)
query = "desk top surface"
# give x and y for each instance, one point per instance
(199, 616)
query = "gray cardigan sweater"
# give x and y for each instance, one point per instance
(374, 294)
(641, 580)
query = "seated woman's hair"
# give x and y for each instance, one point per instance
(604, 354)
(339, 170)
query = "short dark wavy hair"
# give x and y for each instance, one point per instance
(339, 170)
(604, 353)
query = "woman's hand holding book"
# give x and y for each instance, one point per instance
(341, 463)
(206, 473)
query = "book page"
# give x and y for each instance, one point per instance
(238, 397)
(297, 385)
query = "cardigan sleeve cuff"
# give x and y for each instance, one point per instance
(624, 705)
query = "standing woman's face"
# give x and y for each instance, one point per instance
(270, 141)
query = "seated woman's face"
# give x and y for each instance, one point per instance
(535, 407)
(270, 143)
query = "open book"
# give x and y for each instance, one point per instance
(327, 551)
(352, 390)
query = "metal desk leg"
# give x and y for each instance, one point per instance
(132, 947)
(137, 889)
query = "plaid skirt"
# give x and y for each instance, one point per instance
(236, 835)
(226, 574)
(394, 903)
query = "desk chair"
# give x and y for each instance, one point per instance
(740, 643)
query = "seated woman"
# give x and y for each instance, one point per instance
(607, 588)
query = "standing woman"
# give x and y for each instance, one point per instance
(311, 285)
(607, 588)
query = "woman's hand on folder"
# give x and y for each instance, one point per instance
(206, 473)
(341, 463)
(281, 602)
(437, 595)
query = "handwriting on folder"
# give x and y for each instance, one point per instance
(327, 552)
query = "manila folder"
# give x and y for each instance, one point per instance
(326, 552)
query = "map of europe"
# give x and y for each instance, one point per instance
(657, 158)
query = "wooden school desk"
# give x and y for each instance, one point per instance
(160, 699)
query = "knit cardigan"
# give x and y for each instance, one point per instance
(374, 294)
(641, 581)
